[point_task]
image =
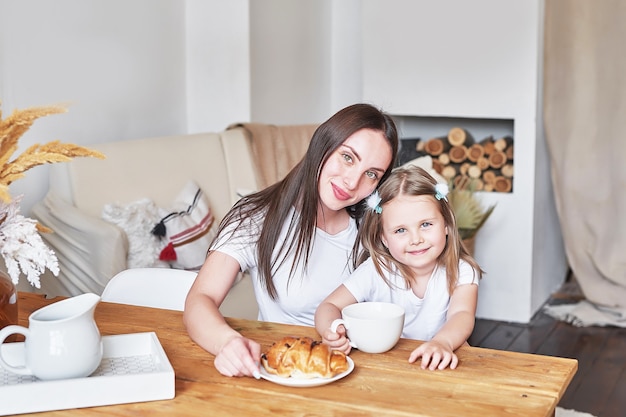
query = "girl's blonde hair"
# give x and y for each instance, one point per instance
(412, 181)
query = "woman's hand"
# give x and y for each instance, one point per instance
(435, 355)
(337, 340)
(234, 354)
(239, 357)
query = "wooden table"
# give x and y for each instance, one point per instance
(486, 383)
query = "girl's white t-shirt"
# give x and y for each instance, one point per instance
(423, 316)
(329, 265)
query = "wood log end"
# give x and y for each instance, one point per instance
(507, 170)
(497, 159)
(483, 163)
(488, 145)
(464, 167)
(458, 136)
(434, 147)
(475, 152)
(458, 154)
(449, 172)
(504, 142)
(437, 166)
(502, 184)
(509, 152)
(474, 172)
(489, 177)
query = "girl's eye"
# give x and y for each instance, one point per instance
(426, 224)
(400, 230)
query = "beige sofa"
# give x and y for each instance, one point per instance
(91, 250)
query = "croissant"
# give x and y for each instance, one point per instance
(302, 357)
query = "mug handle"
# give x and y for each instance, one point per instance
(336, 323)
(6, 332)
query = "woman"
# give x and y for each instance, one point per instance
(296, 237)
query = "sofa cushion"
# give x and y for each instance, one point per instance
(187, 229)
(158, 168)
(177, 236)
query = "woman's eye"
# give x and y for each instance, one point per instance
(371, 175)
(347, 158)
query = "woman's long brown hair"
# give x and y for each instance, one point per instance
(299, 189)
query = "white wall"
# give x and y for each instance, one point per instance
(158, 67)
(479, 59)
(217, 64)
(129, 69)
(346, 81)
(290, 61)
(548, 246)
(305, 59)
(436, 58)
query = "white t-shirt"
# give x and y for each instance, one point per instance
(329, 265)
(423, 316)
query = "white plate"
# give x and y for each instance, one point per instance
(304, 382)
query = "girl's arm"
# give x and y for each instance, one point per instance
(235, 355)
(438, 353)
(327, 312)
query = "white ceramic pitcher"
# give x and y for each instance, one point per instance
(62, 340)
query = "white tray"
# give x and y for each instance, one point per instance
(134, 368)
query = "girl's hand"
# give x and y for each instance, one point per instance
(434, 356)
(239, 357)
(338, 340)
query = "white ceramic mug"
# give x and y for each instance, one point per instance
(62, 340)
(372, 327)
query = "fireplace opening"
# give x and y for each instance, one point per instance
(472, 152)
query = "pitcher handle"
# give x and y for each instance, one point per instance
(4, 333)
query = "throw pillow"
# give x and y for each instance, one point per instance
(137, 220)
(187, 230)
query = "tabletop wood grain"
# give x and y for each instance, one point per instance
(486, 383)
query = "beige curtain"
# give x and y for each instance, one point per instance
(585, 123)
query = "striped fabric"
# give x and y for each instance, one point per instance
(188, 229)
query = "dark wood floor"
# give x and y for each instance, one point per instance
(599, 386)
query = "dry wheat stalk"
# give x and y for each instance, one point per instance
(11, 130)
(21, 245)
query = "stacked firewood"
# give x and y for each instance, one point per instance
(488, 163)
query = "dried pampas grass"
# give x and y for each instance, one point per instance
(468, 210)
(21, 245)
(11, 130)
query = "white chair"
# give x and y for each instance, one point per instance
(150, 287)
(167, 289)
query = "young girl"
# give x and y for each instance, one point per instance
(296, 237)
(410, 240)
